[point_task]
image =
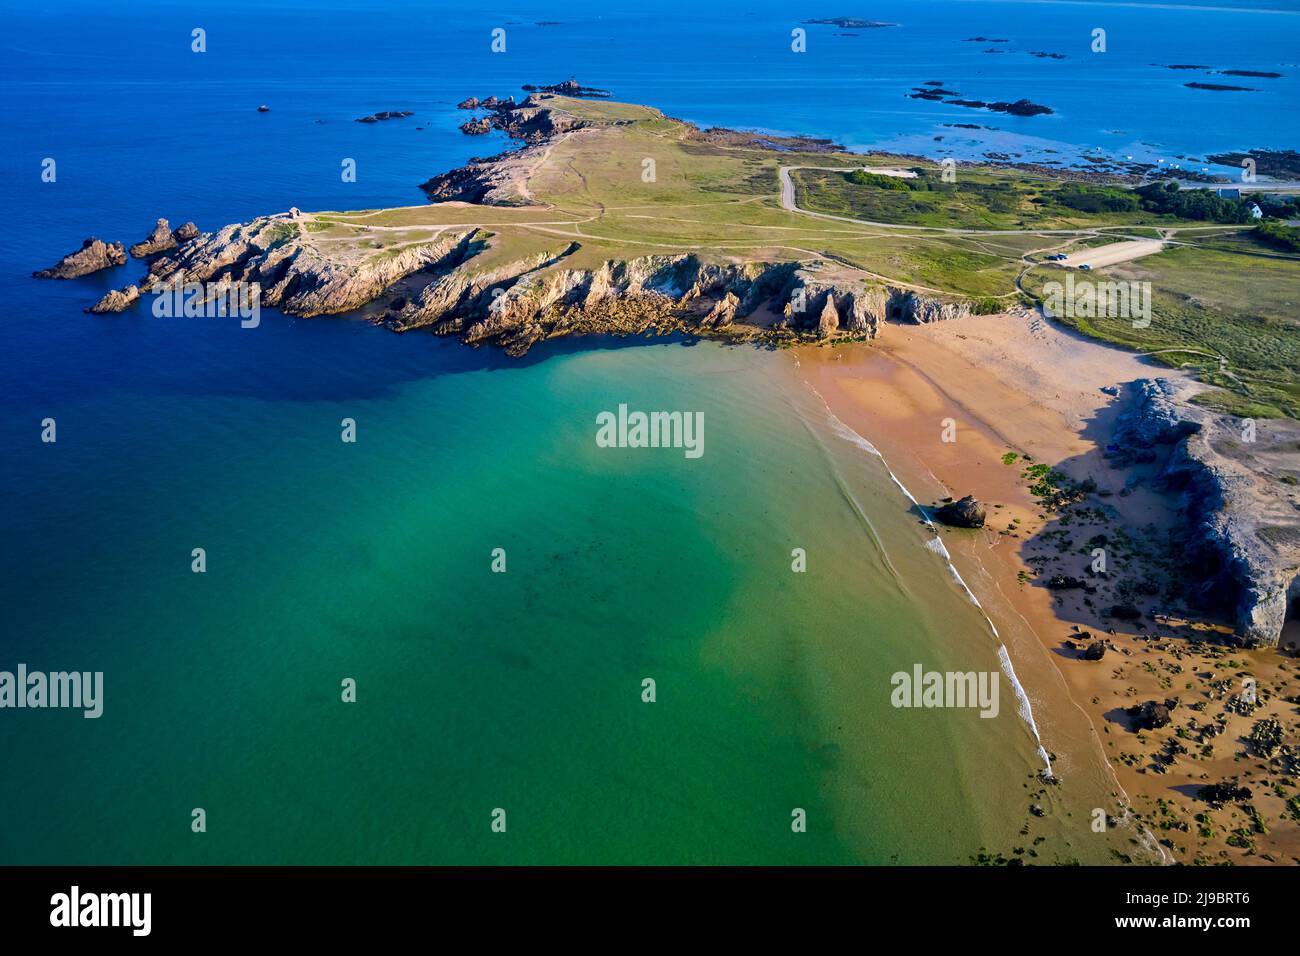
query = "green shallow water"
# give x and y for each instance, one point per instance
(478, 690)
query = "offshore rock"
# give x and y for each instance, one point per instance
(160, 240)
(93, 256)
(116, 301)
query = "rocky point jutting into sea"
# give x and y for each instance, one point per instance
(521, 302)
(466, 282)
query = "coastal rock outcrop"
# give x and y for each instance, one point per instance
(94, 255)
(490, 181)
(827, 300)
(723, 312)
(521, 303)
(384, 115)
(569, 87)
(1151, 419)
(1217, 794)
(922, 310)
(829, 321)
(160, 240)
(1241, 539)
(1151, 715)
(292, 274)
(116, 301)
(963, 513)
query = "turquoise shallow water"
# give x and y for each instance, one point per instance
(479, 690)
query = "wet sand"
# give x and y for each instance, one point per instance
(1016, 383)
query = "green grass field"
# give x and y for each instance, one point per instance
(1234, 316)
(635, 183)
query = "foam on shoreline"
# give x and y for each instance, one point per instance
(937, 546)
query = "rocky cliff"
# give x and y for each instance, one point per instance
(1242, 535)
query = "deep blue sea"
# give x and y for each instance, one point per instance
(177, 433)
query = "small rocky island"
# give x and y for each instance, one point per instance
(385, 115)
(851, 23)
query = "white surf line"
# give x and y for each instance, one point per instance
(937, 546)
(856, 507)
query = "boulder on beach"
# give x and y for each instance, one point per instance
(1151, 715)
(1221, 793)
(965, 513)
(94, 254)
(1095, 651)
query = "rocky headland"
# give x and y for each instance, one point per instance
(441, 287)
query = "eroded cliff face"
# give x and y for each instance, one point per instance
(521, 303)
(517, 303)
(1242, 538)
(1244, 564)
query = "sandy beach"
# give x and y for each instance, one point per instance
(1018, 384)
